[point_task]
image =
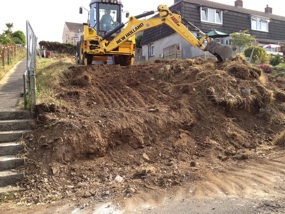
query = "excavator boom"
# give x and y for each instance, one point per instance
(173, 20)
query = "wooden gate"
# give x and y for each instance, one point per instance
(172, 51)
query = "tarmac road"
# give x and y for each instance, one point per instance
(224, 205)
(221, 206)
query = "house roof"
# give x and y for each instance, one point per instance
(162, 31)
(234, 8)
(74, 27)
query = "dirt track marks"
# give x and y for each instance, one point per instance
(257, 178)
(254, 177)
(127, 97)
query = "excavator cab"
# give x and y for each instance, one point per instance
(105, 15)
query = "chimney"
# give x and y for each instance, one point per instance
(268, 10)
(239, 3)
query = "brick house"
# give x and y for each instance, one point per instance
(72, 32)
(266, 27)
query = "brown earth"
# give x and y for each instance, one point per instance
(117, 132)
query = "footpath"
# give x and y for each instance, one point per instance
(12, 87)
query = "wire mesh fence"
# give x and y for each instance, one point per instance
(29, 76)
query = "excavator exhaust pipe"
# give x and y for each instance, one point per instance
(223, 53)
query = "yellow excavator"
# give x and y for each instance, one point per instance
(105, 36)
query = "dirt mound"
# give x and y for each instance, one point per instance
(116, 131)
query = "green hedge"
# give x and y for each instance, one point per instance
(58, 47)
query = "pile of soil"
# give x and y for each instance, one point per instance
(117, 131)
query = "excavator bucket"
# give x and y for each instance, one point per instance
(223, 53)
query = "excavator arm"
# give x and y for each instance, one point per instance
(172, 20)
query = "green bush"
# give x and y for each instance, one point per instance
(258, 54)
(58, 47)
(280, 67)
(275, 60)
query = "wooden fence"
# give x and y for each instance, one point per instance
(172, 51)
(8, 53)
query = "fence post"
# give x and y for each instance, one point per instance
(11, 53)
(8, 55)
(3, 56)
(25, 89)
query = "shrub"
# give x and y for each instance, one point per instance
(58, 47)
(258, 54)
(276, 60)
(280, 67)
(265, 67)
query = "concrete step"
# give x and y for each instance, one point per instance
(8, 178)
(11, 148)
(10, 162)
(15, 115)
(10, 136)
(13, 125)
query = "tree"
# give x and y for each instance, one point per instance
(241, 40)
(10, 37)
(5, 40)
(138, 41)
(19, 37)
(8, 32)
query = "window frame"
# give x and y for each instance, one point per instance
(151, 50)
(206, 13)
(259, 21)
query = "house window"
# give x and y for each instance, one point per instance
(259, 24)
(66, 38)
(228, 42)
(211, 15)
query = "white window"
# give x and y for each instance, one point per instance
(151, 50)
(211, 15)
(259, 24)
(228, 41)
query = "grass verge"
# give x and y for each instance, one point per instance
(48, 74)
(21, 55)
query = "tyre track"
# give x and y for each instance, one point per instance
(127, 97)
(258, 177)
(148, 94)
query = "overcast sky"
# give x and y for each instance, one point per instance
(47, 17)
